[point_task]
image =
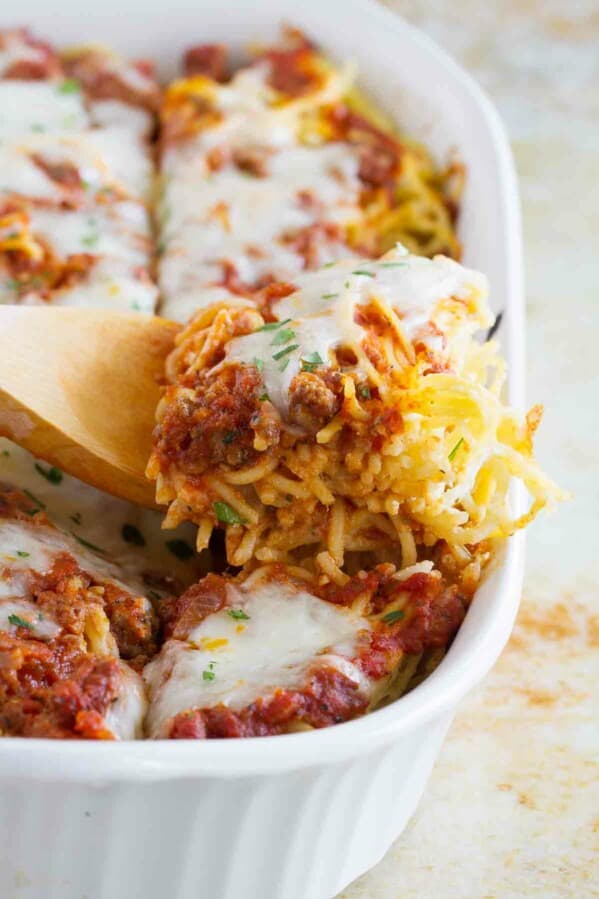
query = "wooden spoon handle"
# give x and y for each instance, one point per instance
(79, 388)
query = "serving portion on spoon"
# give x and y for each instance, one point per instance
(79, 388)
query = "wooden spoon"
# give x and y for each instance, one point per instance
(79, 388)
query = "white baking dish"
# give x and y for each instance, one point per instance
(299, 816)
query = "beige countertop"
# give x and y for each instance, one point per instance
(512, 807)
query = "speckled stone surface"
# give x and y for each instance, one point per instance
(512, 807)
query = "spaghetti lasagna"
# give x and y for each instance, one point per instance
(272, 651)
(76, 177)
(348, 418)
(71, 633)
(280, 168)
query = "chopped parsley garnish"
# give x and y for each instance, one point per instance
(90, 240)
(328, 264)
(52, 474)
(310, 361)
(238, 614)
(39, 129)
(364, 391)
(76, 517)
(34, 499)
(452, 454)
(283, 364)
(263, 397)
(131, 534)
(361, 271)
(87, 544)
(6, 454)
(135, 306)
(284, 352)
(273, 326)
(259, 363)
(393, 617)
(393, 264)
(329, 296)
(283, 336)
(226, 514)
(69, 86)
(17, 621)
(208, 673)
(229, 437)
(22, 554)
(180, 549)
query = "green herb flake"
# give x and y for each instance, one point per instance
(364, 391)
(154, 595)
(310, 361)
(238, 615)
(393, 264)
(52, 475)
(208, 673)
(6, 454)
(133, 535)
(393, 617)
(34, 499)
(135, 306)
(229, 437)
(22, 554)
(283, 364)
(226, 514)
(284, 352)
(329, 296)
(329, 264)
(87, 544)
(180, 549)
(90, 240)
(17, 621)
(259, 363)
(69, 86)
(263, 397)
(273, 326)
(37, 128)
(454, 451)
(361, 271)
(283, 336)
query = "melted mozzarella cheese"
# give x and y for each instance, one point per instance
(95, 516)
(321, 311)
(39, 625)
(111, 284)
(110, 113)
(103, 158)
(119, 230)
(244, 219)
(28, 547)
(39, 106)
(125, 716)
(286, 631)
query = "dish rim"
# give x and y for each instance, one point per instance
(151, 760)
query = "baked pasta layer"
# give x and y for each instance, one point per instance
(272, 651)
(77, 177)
(67, 625)
(350, 412)
(280, 168)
